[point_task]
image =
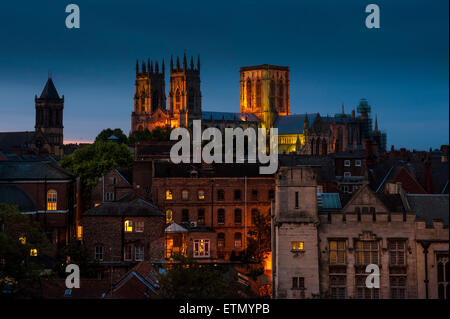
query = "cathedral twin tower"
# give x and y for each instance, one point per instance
(150, 97)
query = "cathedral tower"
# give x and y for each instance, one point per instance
(49, 121)
(149, 96)
(265, 91)
(185, 98)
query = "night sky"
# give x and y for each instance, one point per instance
(401, 68)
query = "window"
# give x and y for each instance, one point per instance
(112, 180)
(169, 195)
(398, 287)
(220, 194)
(355, 188)
(33, 252)
(98, 253)
(345, 189)
(128, 226)
(201, 248)
(221, 216)
(201, 194)
(255, 215)
(347, 163)
(237, 194)
(127, 254)
(338, 282)
(169, 216)
(139, 253)
(397, 252)
(109, 196)
(185, 216)
(358, 163)
(296, 199)
(51, 200)
(362, 292)
(358, 213)
(221, 240)
(298, 283)
(237, 216)
(80, 232)
(271, 194)
(139, 226)
(337, 252)
(297, 246)
(367, 252)
(347, 174)
(184, 194)
(254, 194)
(443, 276)
(237, 240)
(201, 217)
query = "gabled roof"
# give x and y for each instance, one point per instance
(175, 228)
(430, 207)
(391, 202)
(136, 207)
(12, 194)
(17, 140)
(32, 170)
(49, 92)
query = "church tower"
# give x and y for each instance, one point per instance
(49, 121)
(185, 98)
(149, 95)
(265, 91)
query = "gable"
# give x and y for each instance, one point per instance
(365, 197)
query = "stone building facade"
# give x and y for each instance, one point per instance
(322, 245)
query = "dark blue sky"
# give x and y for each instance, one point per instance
(402, 68)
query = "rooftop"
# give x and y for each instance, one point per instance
(136, 207)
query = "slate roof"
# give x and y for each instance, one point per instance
(167, 169)
(32, 170)
(49, 92)
(294, 123)
(328, 201)
(136, 207)
(393, 202)
(229, 116)
(127, 174)
(19, 140)
(430, 207)
(14, 195)
(325, 162)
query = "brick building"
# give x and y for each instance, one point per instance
(212, 206)
(115, 185)
(50, 193)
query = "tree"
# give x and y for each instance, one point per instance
(93, 161)
(157, 134)
(76, 252)
(107, 133)
(259, 239)
(23, 246)
(187, 279)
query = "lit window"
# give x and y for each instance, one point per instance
(97, 204)
(23, 240)
(169, 195)
(80, 232)
(98, 253)
(139, 226)
(184, 195)
(201, 194)
(358, 163)
(367, 252)
(139, 253)
(347, 163)
(297, 246)
(33, 252)
(51, 200)
(337, 252)
(128, 226)
(201, 247)
(169, 216)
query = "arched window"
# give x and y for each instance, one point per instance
(52, 197)
(221, 216)
(237, 240)
(169, 216)
(238, 216)
(258, 94)
(169, 195)
(220, 240)
(177, 100)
